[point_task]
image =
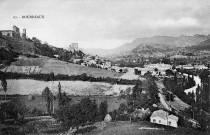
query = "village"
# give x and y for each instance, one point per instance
(104, 67)
(166, 109)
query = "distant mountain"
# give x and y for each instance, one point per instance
(158, 42)
(98, 51)
(204, 45)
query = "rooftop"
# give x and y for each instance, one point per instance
(164, 115)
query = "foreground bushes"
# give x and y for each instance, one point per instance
(84, 112)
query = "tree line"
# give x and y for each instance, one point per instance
(52, 77)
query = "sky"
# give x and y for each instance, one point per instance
(105, 23)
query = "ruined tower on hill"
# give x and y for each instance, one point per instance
(15, 32)
(24, 34)
(73, 47)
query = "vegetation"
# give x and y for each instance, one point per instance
(86, 111)
(103, 110)
(4, 83)
(7, 56)
(199, 100)
(13, 110)
(140, 99)
(82, 77)
(49, 99)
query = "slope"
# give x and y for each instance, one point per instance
(162, 42)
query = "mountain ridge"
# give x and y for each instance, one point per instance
(169, 41)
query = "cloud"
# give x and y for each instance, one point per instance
(181, 22)
(106, 23)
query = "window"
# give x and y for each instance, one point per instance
(159, 121)
(154, 120)
(169, 123)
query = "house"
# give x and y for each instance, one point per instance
(163, 118)
(107, 64)
(77, 61)
(90, 62)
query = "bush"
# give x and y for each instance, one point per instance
(77, 114)
(36, 112)
(13, 110)
(33, 127)
(85, 130)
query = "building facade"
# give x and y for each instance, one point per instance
(15, 32)
(73, 47)
(163, 118)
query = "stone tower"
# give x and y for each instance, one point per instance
(73, 47)
(16, 29)
(24, 34)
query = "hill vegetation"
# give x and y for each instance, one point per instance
(35, 47)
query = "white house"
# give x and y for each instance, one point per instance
(163, 118)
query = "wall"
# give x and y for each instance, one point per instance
(5, 33)
(164, 122)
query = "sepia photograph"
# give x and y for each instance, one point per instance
(104, 67)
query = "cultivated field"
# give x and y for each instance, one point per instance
(61, 67)
(29, 86)
(130, 75)
(47, 65)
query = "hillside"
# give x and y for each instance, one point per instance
(32, 47)
(47, 65)
(19, 45)
(161, 42)
(204, 45)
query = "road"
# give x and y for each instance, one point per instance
(177, 104)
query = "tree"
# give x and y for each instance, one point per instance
(80, 113)
(14, 109)
(170, 97)
(123, 109)
(89, 109)
(59, 95)
(103, 110)
(52, 76)
(156, 69)
(49, 99)
(4, 85)
(137, 89)
(175, 77)
(36, 40)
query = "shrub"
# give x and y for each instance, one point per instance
(33, 127)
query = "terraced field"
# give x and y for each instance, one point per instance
(47, 65)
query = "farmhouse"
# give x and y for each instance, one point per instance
(163, 118)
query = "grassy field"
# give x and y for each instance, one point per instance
(29, 86)
(137, 128)
(24, 61)
(61, 67)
